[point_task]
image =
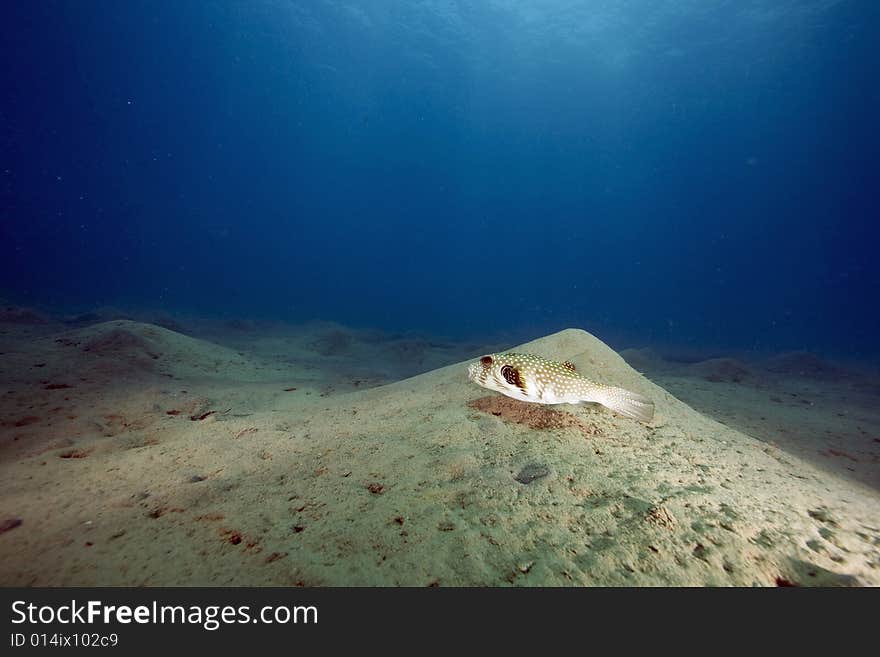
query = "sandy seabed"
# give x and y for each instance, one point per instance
(315, 455)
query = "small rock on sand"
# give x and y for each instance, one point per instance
(531, 472)
(9, 523)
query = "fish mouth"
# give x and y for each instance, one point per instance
(472, 372)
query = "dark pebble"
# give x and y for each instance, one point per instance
(531, 472)
(196, 479)
(9, 523)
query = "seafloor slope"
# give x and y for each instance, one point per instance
(135, 455)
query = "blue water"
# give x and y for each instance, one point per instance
(696, 172)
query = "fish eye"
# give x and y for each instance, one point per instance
(486, 361)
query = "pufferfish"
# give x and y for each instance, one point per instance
(538, 380)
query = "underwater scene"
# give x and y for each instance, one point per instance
(541, 293)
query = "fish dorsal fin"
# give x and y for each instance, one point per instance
(569, 365)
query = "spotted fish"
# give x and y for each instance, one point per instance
(541, 381)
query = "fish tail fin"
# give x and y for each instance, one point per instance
(624, 402)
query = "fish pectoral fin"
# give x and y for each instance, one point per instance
(624, 402)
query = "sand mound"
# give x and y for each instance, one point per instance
(97, 316)
(16, 315)
(122, 346)
(333, 343)
(644, 359)
(243, 325)
(167, 322)
(721, 370)
(803, 363)
(431, 481)
(408, 352)
(82, 319)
